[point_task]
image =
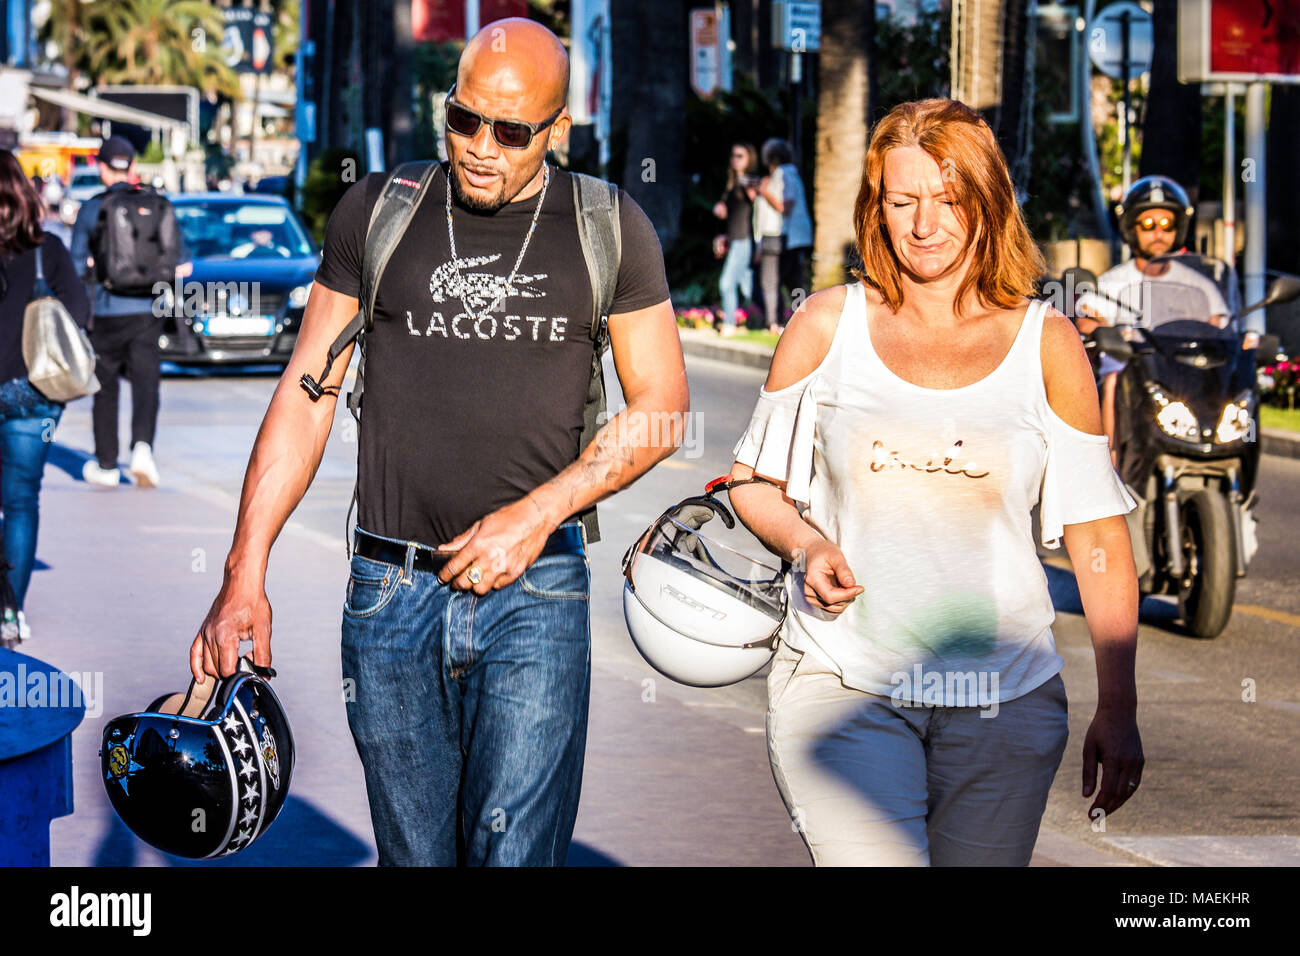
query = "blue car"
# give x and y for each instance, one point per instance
(253, 269)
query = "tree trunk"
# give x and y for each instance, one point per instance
(990, 44)
(1171, 133)
(652, 170)
(843, 105)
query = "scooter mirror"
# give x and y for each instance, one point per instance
(1282, 289)
(1111, 341)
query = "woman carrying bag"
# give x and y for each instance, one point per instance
(737, 207)
(27, 417)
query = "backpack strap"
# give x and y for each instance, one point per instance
(596, 205)
(392, 214)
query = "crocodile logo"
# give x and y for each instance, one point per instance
(480, 292)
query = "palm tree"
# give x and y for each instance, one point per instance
(71, 25)
(843, 107)
(163, 42)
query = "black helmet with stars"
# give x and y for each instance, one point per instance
(202, 774)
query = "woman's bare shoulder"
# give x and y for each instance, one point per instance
(807, 338)
(1067, 374)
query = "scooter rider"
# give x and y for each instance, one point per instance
(1153, 219)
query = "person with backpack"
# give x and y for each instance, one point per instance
(28, 255)
(130, 236)
(476, 289)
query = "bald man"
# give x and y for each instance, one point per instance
(466, 635)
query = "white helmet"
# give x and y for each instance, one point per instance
(699, 611)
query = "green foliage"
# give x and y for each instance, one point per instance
(285, 32)
(153, 153)
(1213, 125)
(1110, 152)
(1059, 181)
(328, 178)
(912, 60)
(433, 70)
(147, 42)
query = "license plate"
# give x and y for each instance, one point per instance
(238, 325)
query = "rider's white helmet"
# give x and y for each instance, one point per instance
(699, 611)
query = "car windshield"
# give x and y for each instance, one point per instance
(232, 230)
(87, 177)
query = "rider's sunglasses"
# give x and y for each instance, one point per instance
(512, 134)
(1148, 223)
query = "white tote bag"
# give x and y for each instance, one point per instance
(59, 357)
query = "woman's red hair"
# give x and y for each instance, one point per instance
(1004, 261)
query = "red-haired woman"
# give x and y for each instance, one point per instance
(909, 424)
(27, 418)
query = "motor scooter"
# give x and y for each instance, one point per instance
(1187, 427)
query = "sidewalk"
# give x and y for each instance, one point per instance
(127, 574)
(707, 344)
(674, 776)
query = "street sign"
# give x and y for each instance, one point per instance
(797, 26)
(1237, 40)
(705, 67)
(247, 40)
(1106, 39)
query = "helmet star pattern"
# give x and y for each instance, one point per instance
(212, 749)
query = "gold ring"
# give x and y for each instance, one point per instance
(474, 575)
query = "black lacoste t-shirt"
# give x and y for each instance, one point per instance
(475, 387)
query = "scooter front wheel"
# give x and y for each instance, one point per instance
(1209, 582)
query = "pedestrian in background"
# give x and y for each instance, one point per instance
(910, 422)
(737, 207)
(27, 418)
(782, 221)
(126, 327)
(769, 239)
(796, 248)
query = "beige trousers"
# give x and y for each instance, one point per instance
(870, 783)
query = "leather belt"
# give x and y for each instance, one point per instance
(566, 539)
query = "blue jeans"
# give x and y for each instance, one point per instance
(27, 423)
(469, 713)
(737, 273)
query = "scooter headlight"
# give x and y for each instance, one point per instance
(1236, 422)
(1175, 418)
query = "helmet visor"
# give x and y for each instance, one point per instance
(712, 566)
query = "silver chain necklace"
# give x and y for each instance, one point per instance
(451, 239)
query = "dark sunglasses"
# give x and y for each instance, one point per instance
(1166, 223)
(512, 134)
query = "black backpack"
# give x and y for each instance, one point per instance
(595, 204)
(136, 241)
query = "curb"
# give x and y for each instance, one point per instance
(1281, 443)
(710, 345)
(1277, 442)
